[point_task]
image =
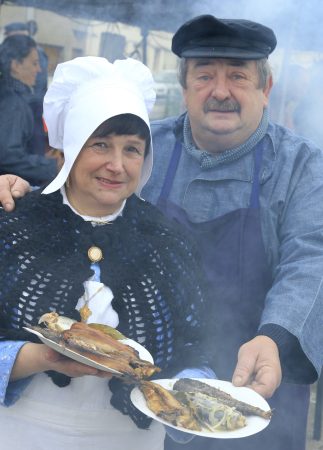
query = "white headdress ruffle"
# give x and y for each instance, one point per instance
(87, 91)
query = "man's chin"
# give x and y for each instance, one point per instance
(223, 122)
(222, 130)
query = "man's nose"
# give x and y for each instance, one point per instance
(220, 89)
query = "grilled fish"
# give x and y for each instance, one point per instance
(189, 385)
(211, 414)
(163, 403)
(96, 344)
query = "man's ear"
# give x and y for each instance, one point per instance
(267, 90)
(268, 86)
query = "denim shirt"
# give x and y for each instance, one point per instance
(291, 202)
(10, 391)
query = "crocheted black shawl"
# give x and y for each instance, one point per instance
(150, 265)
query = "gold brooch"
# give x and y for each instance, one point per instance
(95, 254)
(85, 313)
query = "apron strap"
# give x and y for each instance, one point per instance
(170, 175)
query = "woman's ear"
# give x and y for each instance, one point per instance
(14, 66)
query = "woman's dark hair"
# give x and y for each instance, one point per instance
(18, 47)
(125, 124)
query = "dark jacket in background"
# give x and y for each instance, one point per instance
(39, 141)
(16, 132)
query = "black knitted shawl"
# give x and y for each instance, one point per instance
(150, 265)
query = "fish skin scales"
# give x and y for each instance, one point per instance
(189, 385)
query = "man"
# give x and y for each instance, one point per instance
(250, 192)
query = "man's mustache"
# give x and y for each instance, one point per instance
(223, 106)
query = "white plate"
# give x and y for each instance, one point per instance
(60, 348)
(254, 423)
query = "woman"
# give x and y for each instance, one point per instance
(19, 66)
(146, 281)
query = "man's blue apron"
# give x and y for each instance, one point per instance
(236, 266)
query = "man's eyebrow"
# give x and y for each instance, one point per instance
(238, 62)
(198, 62)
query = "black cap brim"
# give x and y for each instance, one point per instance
(218, 52)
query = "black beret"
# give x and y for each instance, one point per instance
(207, 36)
(15, 26)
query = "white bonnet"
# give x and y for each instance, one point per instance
(87, 91)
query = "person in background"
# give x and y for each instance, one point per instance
(39, 142)
(90, 248)
(42, 77)
(250, 192)
(16, 28)
(30, 28)
(19, 66)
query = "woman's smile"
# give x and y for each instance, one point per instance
(109, 183)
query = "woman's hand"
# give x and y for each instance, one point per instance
(12, 187)
(63, 364)
(36, 358)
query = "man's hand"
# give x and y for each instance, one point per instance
(12, 187)
(258, 366)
